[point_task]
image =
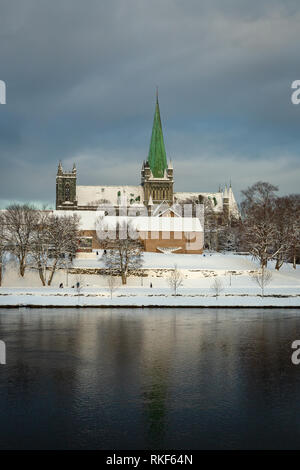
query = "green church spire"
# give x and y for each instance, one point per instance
(157, 154)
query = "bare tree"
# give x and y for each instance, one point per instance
(112, 283)
(2, 246)
(125, 258)
(124, 255)
(39, 246)
(20, 223)
(284, 220)
(175, 279)
(294, 252)
(63, 240)
(259, 227)
(229, 236)
(217, 287)
(53, 244)
(271, 225)
(262, 279)
(294, 233)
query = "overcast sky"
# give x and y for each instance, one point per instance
(81, 77)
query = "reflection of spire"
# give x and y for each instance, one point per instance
(155, 399)
(157, 360)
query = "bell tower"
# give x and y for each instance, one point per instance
(66, 188)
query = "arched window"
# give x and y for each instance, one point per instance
(67, 192)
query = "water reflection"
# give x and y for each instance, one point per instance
(149, 379)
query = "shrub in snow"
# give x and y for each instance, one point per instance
(217, 286)
(262, 279)
(175, 279)
(112, 283)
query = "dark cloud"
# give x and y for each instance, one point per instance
(81, 79)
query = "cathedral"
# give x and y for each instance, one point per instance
(156, 187)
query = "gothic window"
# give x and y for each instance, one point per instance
(67, 192)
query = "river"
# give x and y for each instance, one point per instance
(149, 379)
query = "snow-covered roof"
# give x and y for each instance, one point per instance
(134, 196)
(114, 195)
(87, 219)
(90, 220)
(217, 198)
(154, 224)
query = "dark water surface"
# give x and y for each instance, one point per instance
(142, 379)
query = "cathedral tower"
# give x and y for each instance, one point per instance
(66, 188)
(157, 174)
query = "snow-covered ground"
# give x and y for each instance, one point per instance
(160, 260)
(199, 271)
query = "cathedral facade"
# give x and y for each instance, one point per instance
(156, 187)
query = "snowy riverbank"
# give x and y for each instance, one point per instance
(199, 271)
(132, 297)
